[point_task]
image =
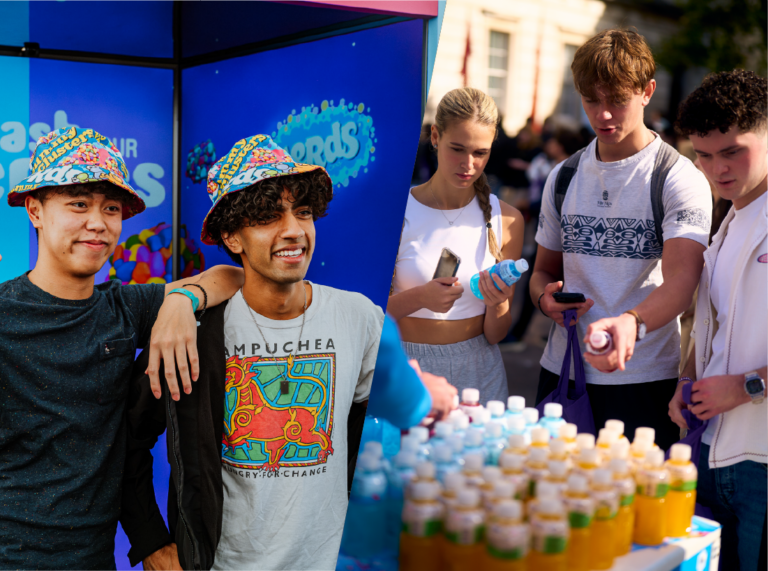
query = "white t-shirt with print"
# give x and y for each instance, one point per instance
(610, 253)
(284, 455)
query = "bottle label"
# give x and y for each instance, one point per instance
(606, 504)
(422, 519)
(578, 520)
(653, 489)
(683, 486)
(580, 511)
(627, 500)
(465, 527)
(507, 541)
(549, 536)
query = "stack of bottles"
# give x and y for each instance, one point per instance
(497, 488)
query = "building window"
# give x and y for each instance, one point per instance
(570, 100)
(498, 65)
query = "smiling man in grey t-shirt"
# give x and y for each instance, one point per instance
(603, 243)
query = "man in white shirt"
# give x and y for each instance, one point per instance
(604, 241)
(726, 120)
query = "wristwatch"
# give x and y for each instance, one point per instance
(640, 324)
(754, 385)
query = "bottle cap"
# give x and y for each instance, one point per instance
(568, 431)
(491, 473)
(470, 396)
(589, 456)
(602, 477)
(460, 421)
(618, 466)
(577, 484)
(516, 424)
(546, 489)
(424, 490)
(550, 506)
(473, 438)
(599, 339)
(503, 489)
(531, 415)
(373, 447)
(538, 455)
(607, 436)
(468, 497)
(521, 265)
(585, 441)
(421, 433)
(442, 453)
(409, 443)
(646, 433)
(456, 442)
(480, 415)
(495, 407)
(516, 441)
(557, 447)
(620, 449)
(680, 453)
(553, 409)
(616, 425)
(640, 446)
(425, 470)
(508, 509)
(405, 459)
(473, 462)
(516, 404)
(558, 469)
(540, 436)
(454, 480)
(443, 429)
(511, 461)
(369, 462)
(654, 457)
(494, 429)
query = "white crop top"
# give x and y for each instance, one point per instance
(426, 232)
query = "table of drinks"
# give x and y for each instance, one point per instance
(496, 488)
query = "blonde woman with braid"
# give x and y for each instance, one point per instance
(449, 331)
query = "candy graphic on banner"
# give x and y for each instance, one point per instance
(146, 257)
(199, 160)
(339, 137)
(265, 428)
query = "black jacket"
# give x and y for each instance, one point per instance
(195, 431)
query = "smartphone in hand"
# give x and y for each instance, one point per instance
(447, 265)
(569, 297)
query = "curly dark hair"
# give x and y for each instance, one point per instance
(256, 203)
(722, 100)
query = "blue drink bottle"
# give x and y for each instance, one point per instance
(508, 270)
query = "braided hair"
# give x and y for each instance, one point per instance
(468, 103)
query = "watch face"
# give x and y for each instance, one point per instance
(641, 331)
(755, 386)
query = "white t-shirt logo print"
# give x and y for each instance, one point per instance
(266, 429)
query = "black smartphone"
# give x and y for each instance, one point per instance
(570, 297)
(447, 265)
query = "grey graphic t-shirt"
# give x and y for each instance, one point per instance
(610, 253)
(284, 454)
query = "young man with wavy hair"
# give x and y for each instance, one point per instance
(636, 259)
(726, 119)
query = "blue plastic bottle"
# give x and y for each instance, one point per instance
(474, 443)
(531, 416)
(515, 406)
(553, 418)
(515, 425)
(421, 434)
(456, 442)
(494, 442)
(443, 431)
(403, 471)
(365, 526)
(445, 463)
(508, 270)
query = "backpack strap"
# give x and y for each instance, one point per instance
(665, 160)
(563, 180)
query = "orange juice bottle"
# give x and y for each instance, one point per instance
(618, 427)
(567, 432)
(558, 450)
(651, 500)
(549, 533)
(681, 499)
(491, 475)
(557, 475)
(603, 544)
(422, 521)
(472, 469)
(605, 438)
(620, 449)
(586, 462)
(425, 472)
(453, 482)
(540, 438)
(638, 450)
(464, 530)
(625, 520)
(502, 490)
(544, 490)
(581, 510)
(536, 467)
(512, 470)
(507, 538)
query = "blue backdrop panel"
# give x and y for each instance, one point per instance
(143, 29)
(352, 103)
(132, 106)
(14, 23)
(212, 26)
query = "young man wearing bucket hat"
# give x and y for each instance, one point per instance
(66, 350)
(260, 448)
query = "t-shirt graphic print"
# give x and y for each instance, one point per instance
(284, 443)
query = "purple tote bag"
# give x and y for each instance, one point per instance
(576, 407)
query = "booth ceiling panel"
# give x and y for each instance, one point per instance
(141, 29)
(214, 26)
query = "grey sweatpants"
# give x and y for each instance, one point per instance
(473, 363)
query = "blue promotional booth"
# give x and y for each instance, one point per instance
(174, 85)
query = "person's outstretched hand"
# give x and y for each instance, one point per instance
(440, 390)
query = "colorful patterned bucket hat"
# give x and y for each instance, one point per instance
(72, 155)
(250, 161)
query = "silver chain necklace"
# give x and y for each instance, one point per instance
(437, 206)
(284, 384)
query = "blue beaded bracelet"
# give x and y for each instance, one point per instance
(189, 294)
